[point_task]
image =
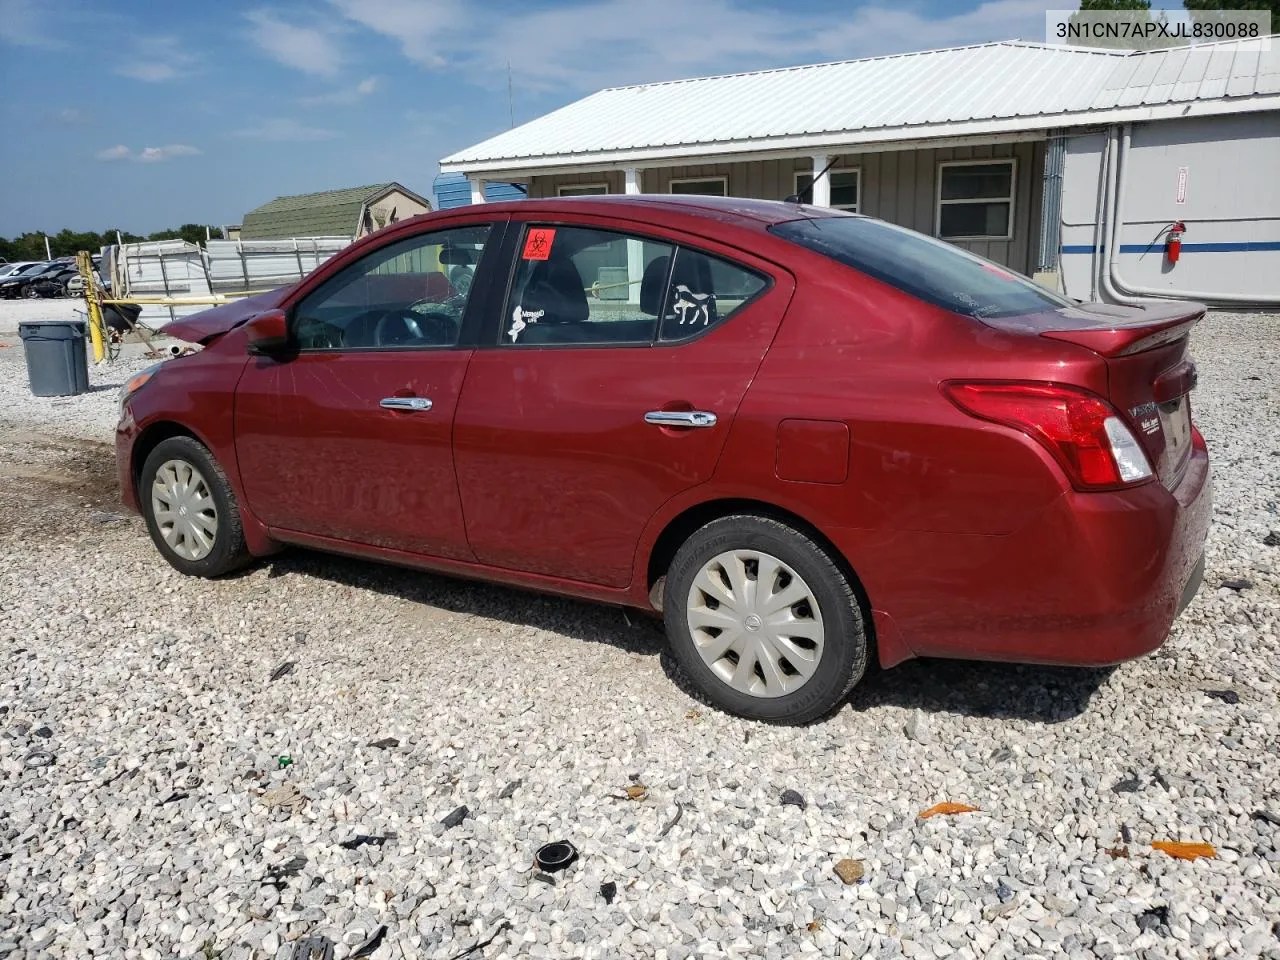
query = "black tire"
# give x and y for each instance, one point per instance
(229, 551)
(844, 653)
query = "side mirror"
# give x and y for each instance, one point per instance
(268, 333)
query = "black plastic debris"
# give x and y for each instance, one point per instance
(279, 875)
(386, 743)
(546, 878)
(1226, 696)
(1153, 919)
(555, 856)
(1125, 834)
(300, 637)
(673, 821)
(173, 798)
(456, 817)
(363, 839)
(44, 733)
(1272, 539)
(372, 944)
(1266, 816)
(1003, 893)
(1130, 785)
(510, 789)
(1237, 584)
(283, 670)
(1001, 755)
(608, 890)
(313, 948)
(791, 798)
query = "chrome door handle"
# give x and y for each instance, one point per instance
(680, 418)
(409, 404)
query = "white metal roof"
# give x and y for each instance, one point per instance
(987, 88)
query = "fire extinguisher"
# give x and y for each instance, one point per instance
(1173, 245)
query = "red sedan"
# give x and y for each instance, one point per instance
(807, 438)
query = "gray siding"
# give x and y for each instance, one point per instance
(899, 186)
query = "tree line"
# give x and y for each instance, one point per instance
(67, 243)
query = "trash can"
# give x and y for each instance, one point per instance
(57, 365)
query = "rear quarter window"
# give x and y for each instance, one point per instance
(927, 269)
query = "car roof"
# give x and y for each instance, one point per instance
(741, 210)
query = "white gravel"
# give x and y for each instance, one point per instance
(157, 829)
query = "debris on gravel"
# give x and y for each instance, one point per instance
(523, 706)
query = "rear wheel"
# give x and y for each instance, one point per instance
(763, 621)
(191, 510)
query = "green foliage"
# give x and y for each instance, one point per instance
(67, 243)
(1203, 9)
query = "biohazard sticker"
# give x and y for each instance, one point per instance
(537, 244)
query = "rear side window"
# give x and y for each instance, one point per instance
(703, 291)
(927, 269)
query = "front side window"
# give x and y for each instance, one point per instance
(844, 188)
(411, 293)
(585, 286)
(928, 269)
(703, 186)
(975, 200)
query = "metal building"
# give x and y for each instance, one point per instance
(1029, 154)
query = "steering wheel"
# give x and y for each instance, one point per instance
(407, 326)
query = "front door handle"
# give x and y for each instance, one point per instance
(408, 404)
(680, 418)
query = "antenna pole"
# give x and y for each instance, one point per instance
(511, 104)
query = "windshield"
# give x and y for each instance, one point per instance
(928, 269)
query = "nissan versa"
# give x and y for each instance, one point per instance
(809, 438)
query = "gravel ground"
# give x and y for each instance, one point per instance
(192, 805)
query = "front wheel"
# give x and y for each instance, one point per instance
(191, 510)
(764, 621)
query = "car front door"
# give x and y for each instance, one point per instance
(347, 436)
(619, 364)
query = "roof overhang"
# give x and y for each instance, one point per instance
(1001, 130)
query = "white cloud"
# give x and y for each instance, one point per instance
(118, 152)
(283, 130)
(596, 43)
(345, 96)
(419, 26)
(23, 24)
(313, 50)
(154, 59)
(147, 154)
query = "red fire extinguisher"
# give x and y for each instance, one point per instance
(1173, 245)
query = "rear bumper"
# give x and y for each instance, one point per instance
(1097, 579)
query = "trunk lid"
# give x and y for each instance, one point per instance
(1150, 375)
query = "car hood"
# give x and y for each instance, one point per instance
(207, 325)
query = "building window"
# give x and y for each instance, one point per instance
(702, 186)
(975, 199)
(583, 190)
(845, 186)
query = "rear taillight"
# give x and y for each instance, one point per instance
(1082, 431)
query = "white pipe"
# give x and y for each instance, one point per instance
(1112, 282)
(1100, 209)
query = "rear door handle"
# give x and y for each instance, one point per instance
(408, 404)
(680, 418)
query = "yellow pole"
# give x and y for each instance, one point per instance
(84, 263)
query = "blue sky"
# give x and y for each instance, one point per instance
(142, 114)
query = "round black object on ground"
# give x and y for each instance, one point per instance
(556, 856)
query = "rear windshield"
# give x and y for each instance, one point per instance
(927, 269)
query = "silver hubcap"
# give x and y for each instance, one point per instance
(755, 623)
(183, 506)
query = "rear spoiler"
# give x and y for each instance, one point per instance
(1163, 324)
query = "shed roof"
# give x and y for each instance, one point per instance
(985, 88)
(329, 213)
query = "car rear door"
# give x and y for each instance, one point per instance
(584, 414)
(348, 437)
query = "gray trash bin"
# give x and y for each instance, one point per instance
(57, 365)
